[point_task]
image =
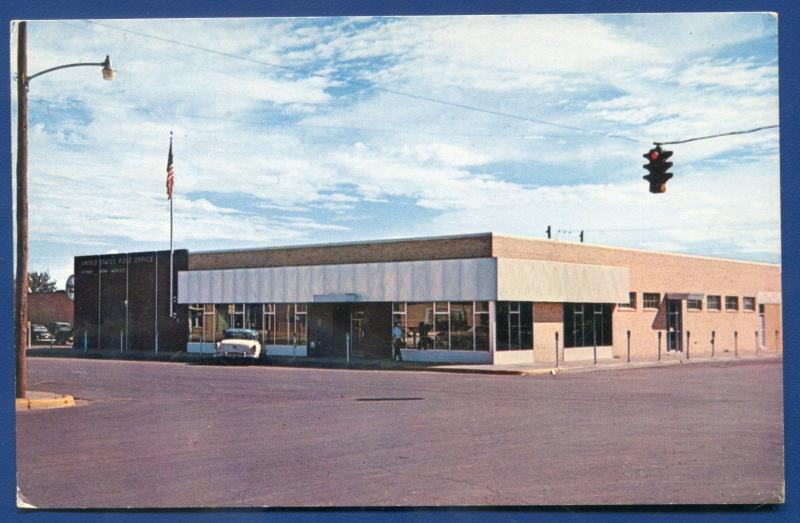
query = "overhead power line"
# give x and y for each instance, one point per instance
(730, 133)
(369, 85)
(720, 226)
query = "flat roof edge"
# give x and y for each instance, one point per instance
(632, 249)
(348, 243)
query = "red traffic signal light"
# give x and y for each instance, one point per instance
(657, 168)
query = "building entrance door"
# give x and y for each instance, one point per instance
(358, 333)
(674, 325)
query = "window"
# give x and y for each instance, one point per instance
(268, 334)
(419, 324)
(631, 302)
(731, 303)
(441, 324)
(514, 325)
(713, 303)
(694, 305)
(253, 317)
(749, 303)
(586, 324)
(299, 328)
(481, 323)
(196, 322)
(651, 300)
(222, 313)
(399, 320)
(237, 315)
(461, 324)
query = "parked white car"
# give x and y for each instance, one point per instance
(239, 343)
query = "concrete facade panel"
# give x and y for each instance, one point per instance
(436, 280)
(526, 280)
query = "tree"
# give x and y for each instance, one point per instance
(40, 282)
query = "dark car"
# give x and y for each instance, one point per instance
(61, 331)
(40, 334)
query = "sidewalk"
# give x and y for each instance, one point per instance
(533, 369)
(521, 369)
(35, 400)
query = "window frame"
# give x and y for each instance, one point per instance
(718, 299)
(649, 296)
(584, 321)
(698, 308)
(731, 303)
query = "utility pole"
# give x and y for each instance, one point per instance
(21, 290)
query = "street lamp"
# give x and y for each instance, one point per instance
(21, 289)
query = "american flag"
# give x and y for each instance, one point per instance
(170, 172)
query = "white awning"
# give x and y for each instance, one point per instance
(544, 281)
(433, 280)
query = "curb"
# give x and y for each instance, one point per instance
(603, 367)
(58, 401)
(504, 372)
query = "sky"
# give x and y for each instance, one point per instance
(314, 130)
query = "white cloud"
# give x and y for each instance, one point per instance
(312, 142)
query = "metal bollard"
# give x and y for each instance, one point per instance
(757, 347)
(85, 340)
(556, 349)
(713, 334)
(594, 346)
(120, 342)
(659, 345)
(688, 342)
(735, 344)
(776, 340)
(347, 343)
(629, 346)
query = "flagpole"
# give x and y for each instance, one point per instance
(170, 243)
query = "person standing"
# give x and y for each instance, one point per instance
(397, 342)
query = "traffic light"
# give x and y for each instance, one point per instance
(657, 168)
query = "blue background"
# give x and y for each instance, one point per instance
(789, 89)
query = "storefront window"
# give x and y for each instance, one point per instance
(268, 334)
(481, 325)
(299, 325)
(399, 320)
(281, 324)
(196, 323)
(586, 324)
(461, 324)
(253, 316)
(514, 325)
(445, 325)
(419, 324)
(223, 320)
(441, 336)
(237, 316)
(288, 322)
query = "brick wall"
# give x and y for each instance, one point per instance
(548, 319)
(475, 246)
(663, 273)
(51, 306)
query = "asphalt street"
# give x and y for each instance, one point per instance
(152, 434)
